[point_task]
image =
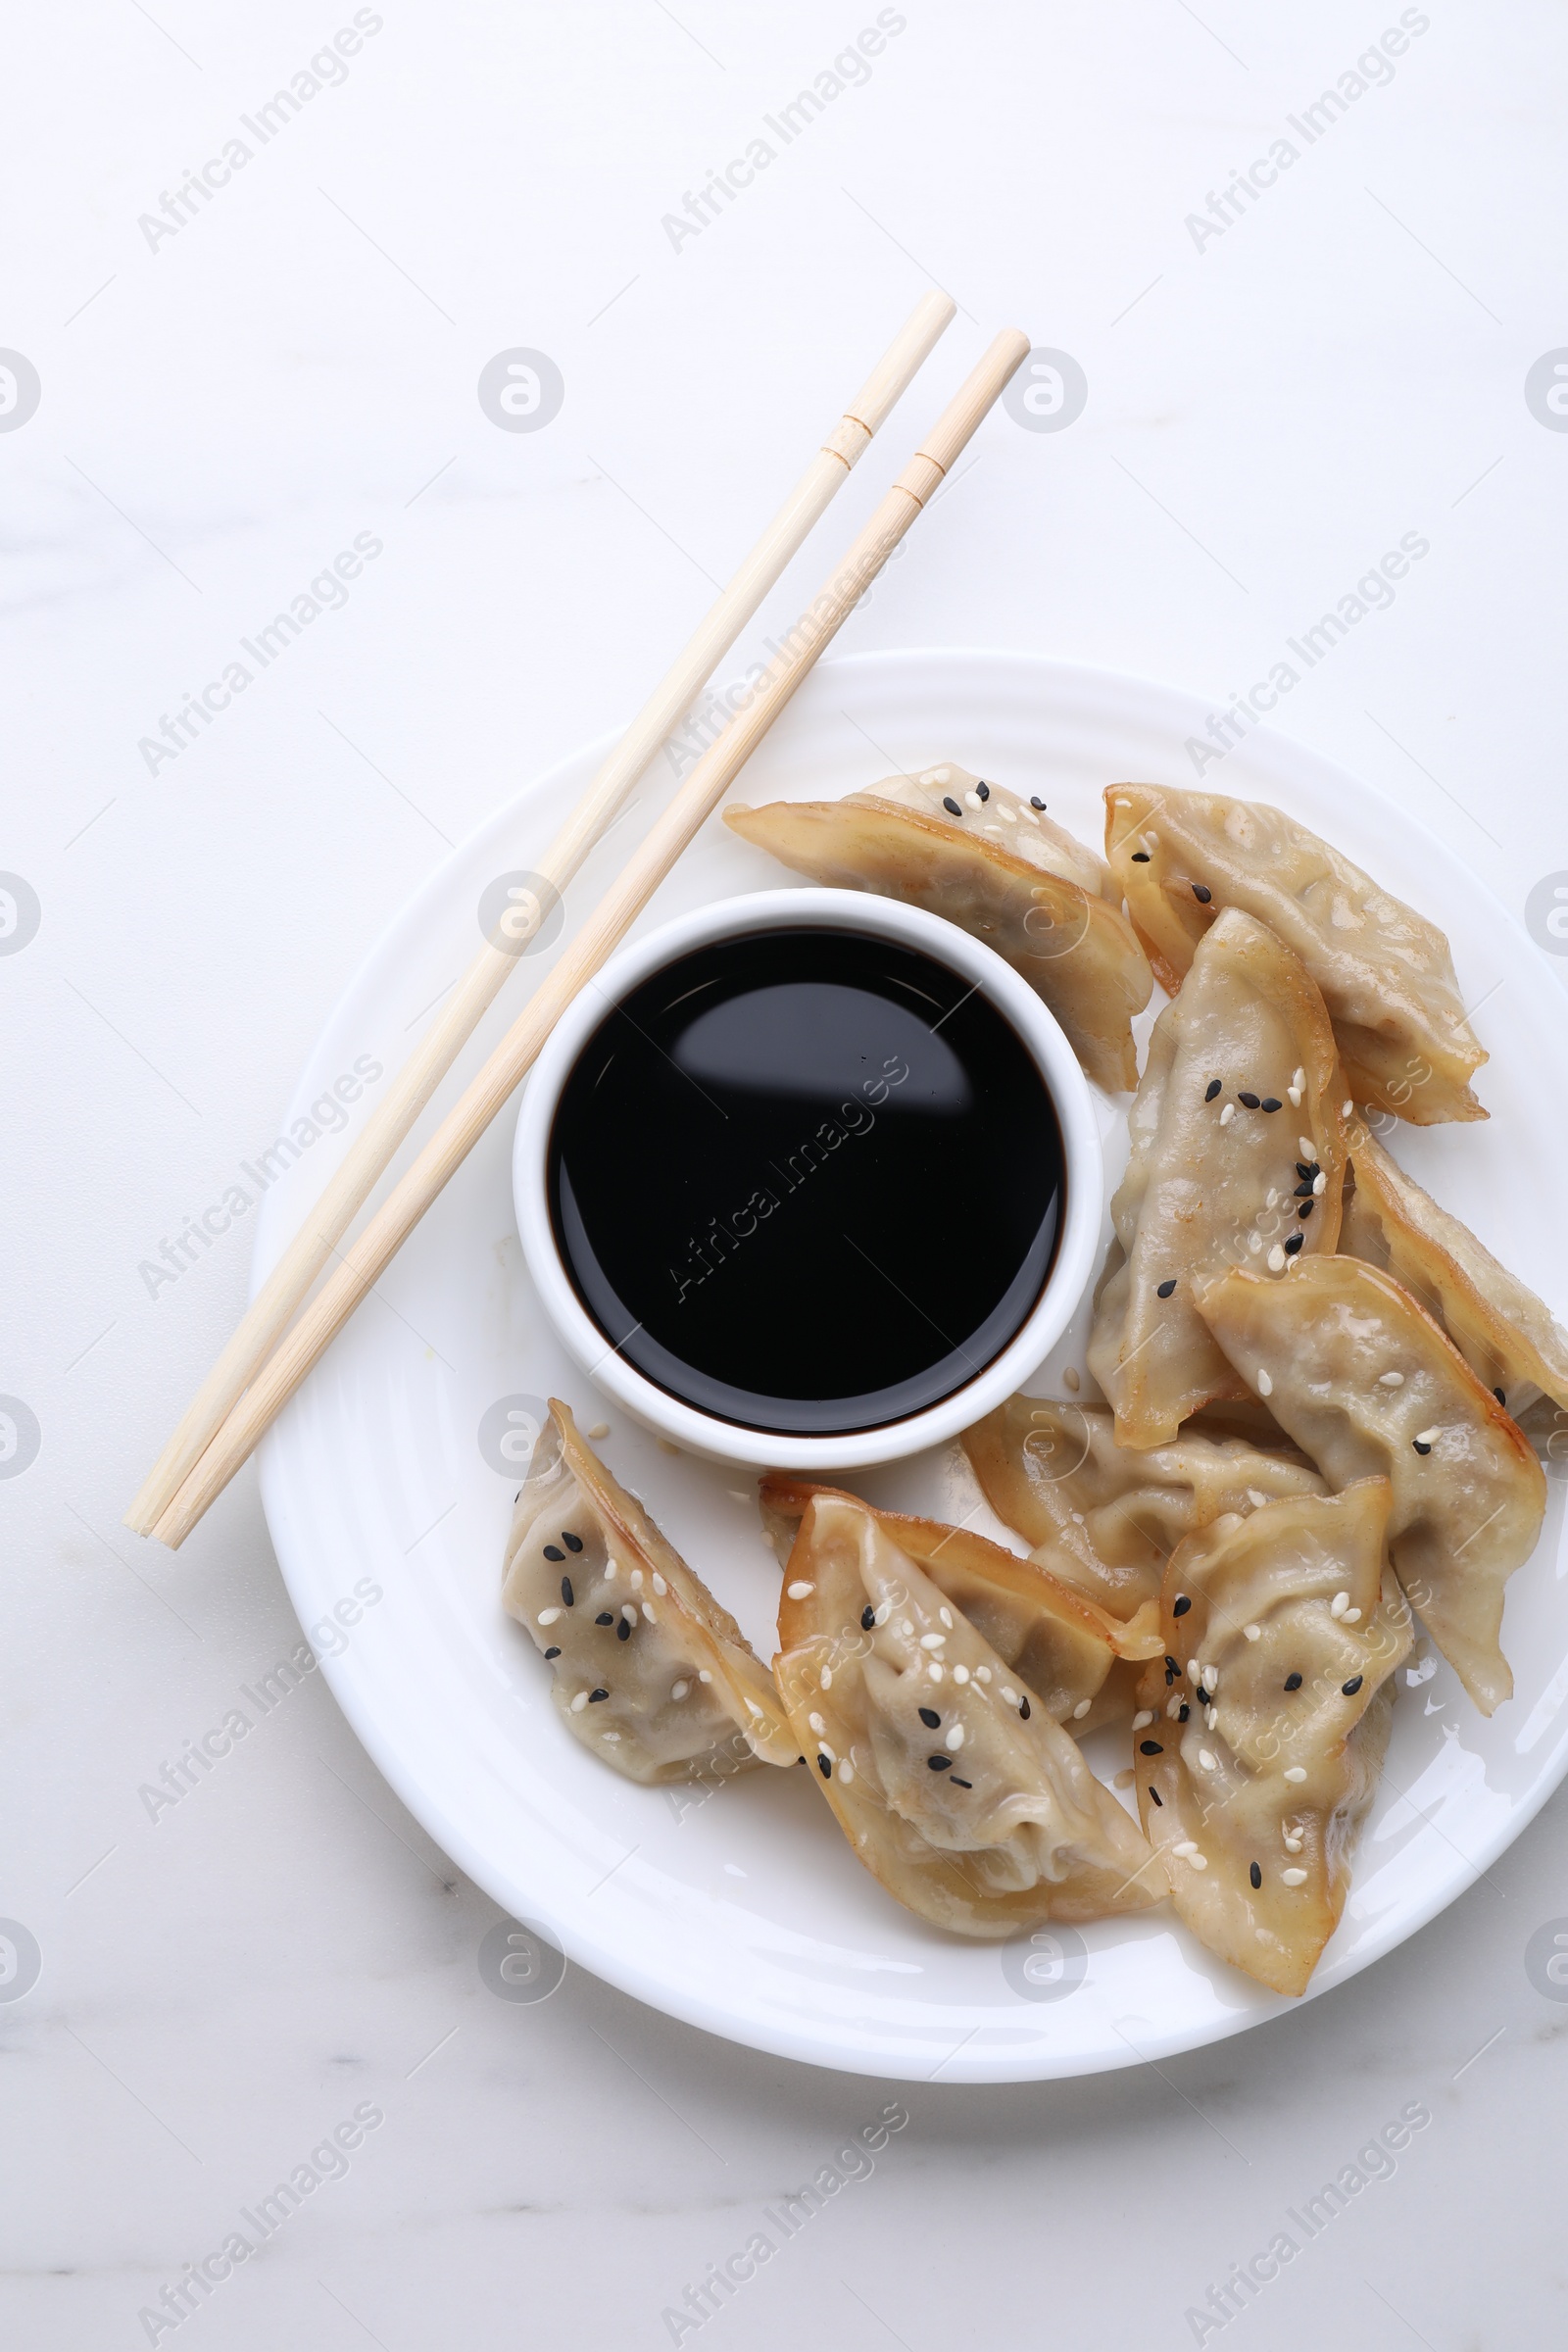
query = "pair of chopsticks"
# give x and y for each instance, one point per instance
(271, 1354)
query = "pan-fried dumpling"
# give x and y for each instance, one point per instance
(648, 1670)
(1105, 1520)
(1237, 1152)
(1032, 897)
(1367, 1384)
(1386, 974)
(1077, 1659)
(1282, 1635)
(1510, 1341)
(956, 1790)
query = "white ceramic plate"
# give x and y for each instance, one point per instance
(740, 1908)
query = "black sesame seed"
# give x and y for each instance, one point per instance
(955, 1783)
(553, 1552)
(1306, 1169)
(1140, 856)
(1202, 892)
(1180, 1605)
(1251, 1101)
(1211, 1090)
(1303, 1190)
(939, 1763)
(571, 1542)
(1202, 1697)
(567, 1592)
(1350, 1688)
(1183, 1712)
(1023, 1709)
(1150, 1747)
(1501, 1399)
(1165, 1288)
(1035, 802)
(1172, 1663)
(930, 1718)
(1305, 1210)
(824, 1768)
(868, 1618)
(623, 1629)
(982, 792)
(950, 804)
(1420, 1448)
(594, 1696)
(551, 1654)
(1272, 1102)
(1255, 1874)
(1292, 1682)
(1156, 1798)
(1294, 1242)
(606, 1617)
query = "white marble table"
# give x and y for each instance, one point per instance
(239, 379)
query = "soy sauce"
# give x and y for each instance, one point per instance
(809, 1181)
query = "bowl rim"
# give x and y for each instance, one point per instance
(1077, 1248)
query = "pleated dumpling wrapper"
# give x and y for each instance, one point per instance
(1367, 1384)
(648, 1670)
(1082, 1663)
(956, 1790)
(1282, 1631)
(999, 871)
(1105, 1520)
(1237, 1154)
(1386, 974)
(1510, 1341)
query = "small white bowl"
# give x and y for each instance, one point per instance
(884, 918)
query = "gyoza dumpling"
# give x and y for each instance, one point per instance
(649, 1671)
(1386, 974)
(991, 813)
(1105, 1520)
(1009, 884)
(1369, 1387)
(1078, 1660)
(956, 1788)
(1509, 1339)
(1237, 1152)
(1255, 1775)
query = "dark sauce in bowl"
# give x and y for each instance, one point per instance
(809, 1181)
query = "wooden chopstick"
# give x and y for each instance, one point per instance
(361, 1265)
(288, 1285)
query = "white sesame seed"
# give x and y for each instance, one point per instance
(1008, 816)
(933, 1640)
(1211, 1719)
(1069, 1378)
(1351, 1617)
(942, 775)
(659, 1585)
(1276, 1260)
(600, 1428)
(800, 1589)
(945, 1616)
(1254, 1243)
(817, 1723)
(755, 1706)
(628, 1612)
(1030, 818)
(930, 776)
(1346, 1108)
(883, 1613)
(1257, 1498)
(1300, 1078)
(1227, 1115)
(1211, 1677)
(1009, 1694)
(610, 1572)
(1293, 1878)
(1187, 1846)
(1391, 1379)
(1174, 1704)
(636, 1579)
(765, 1540)
(845, 1772)
(904, 1626)
(548, 1616)
(1253, 1633)
(981, 1674)
(1293, 1846)
(1338, 1604)
(1296, 1772)
(960, 1674)
(580, 1702)
(1306, 1148)
(648, 1614)
(973, 799)
(1195, 1672)
(1143, 1716)
(1208, 1760)
(1294, 1094)
(1084, 1705)
(678, 1690)
(1428, 1437)
(1197, 1861)
(954, 1739)
(826, 1679)
(827, 1751)
(934, 1671)
(1265, 1385)
(703, 1675)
